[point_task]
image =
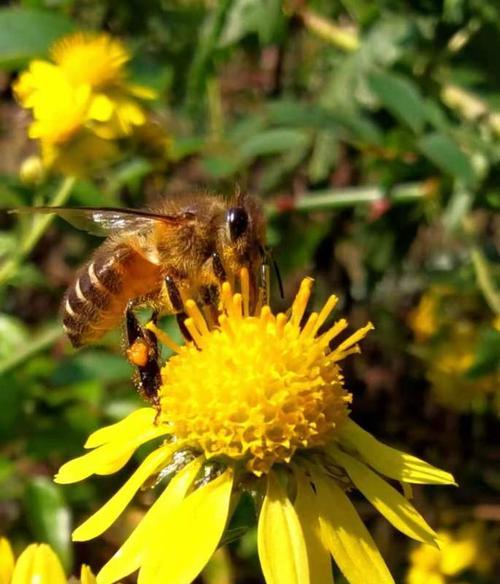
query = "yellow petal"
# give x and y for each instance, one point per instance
(109, 512)
(348, 540)
(393, 506)
(105, 459)
(86, 575)
(142, 91)
(187, 540)
(132, 553)
(38, 564)
(389, 461)
(101, 108)
(6, 561)
(320, 563)
(282, 550)
(135, 423)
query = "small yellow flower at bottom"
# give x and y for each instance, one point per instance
(466, 548)
(255, 402)
(37, 564)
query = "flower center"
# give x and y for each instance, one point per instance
(256, 388)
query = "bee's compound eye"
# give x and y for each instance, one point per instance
(237, 222)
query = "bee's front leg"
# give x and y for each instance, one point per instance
(142, 352)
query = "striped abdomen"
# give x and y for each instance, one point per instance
(98, 298)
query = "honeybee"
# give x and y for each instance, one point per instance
(183, 247)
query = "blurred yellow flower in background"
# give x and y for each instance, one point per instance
(448, 370)
(81, 102)
(255, 402)
(464, 549)
(448, 340)
(94, 59)
(37, 564)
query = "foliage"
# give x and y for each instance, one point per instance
(371, 131)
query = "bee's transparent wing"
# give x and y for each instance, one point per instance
(104, 221)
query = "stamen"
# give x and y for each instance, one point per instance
(245, 290)
(194, 332)
(210, 315)
(300, 303)
(325, 312)
(163, 337)
(225, 324)
(238, 306)
(266, 314)
(226, 297)
(354, 338)
(308, 330)
(199, 320)
(331, 333)
(336, 356)
(281, 320)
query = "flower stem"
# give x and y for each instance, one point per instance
(343, 38)
(481, 267)
(349, 197)
(484, 279)
(40, 224)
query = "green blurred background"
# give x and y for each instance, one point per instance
(371, 131)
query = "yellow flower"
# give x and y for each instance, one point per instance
(94, 59)
(253, 403)
(37, 564)
(462, 550)
(450, 362)
(60, 109)
(423, 319)
(81, 97)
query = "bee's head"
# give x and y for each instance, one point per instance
(242, 234)
(237, 223)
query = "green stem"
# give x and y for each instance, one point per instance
(342, 38)
(39, 227)
(484, 279)
(349, 197)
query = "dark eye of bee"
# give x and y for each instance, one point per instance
(237, 222)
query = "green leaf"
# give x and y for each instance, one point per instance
(346, 536)
(49, 517)
(446, 155)
(273, 142)
(27, 33)
(324, 156)
(389, 461)
(264, 17)
(458, 206)
(487, 359)
(392, 504)
(401, 97)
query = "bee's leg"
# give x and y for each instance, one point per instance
(143, 353)
(218, 267)
(175, 298)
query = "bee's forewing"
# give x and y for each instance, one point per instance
(104, 221)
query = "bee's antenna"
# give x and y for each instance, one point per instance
(278, 277)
